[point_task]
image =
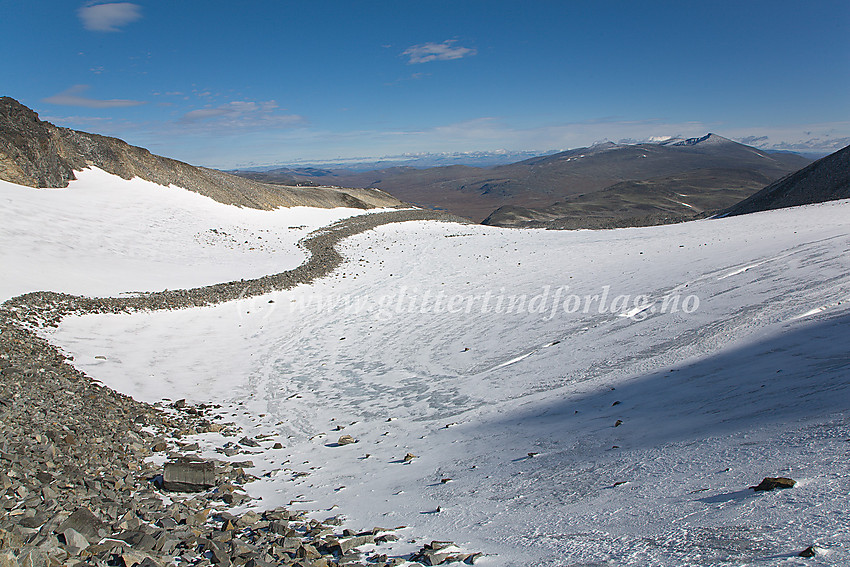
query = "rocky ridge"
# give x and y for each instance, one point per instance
(35, 153)
(76, 486)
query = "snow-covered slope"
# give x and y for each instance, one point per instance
(620, 434)
(104, 235)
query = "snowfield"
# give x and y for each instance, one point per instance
(104, 235)
(571, 398)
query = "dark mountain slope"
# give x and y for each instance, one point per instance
(658, 200)
(38, 154)
(827, 179)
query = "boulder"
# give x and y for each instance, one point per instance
(439, 552)
(84, 522)
(770, 483)
(75, 542)
(188, 476)
(810, 551)
(137, 539)
(347, 544)
(33, 558)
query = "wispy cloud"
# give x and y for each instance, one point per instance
(444, 51)
(818, 144)
(108, 126)
(204, 113)
(814, 138)
(109, 17)
(74, 97)
(753, 140)
(240, 116)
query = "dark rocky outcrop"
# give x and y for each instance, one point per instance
(827, 179)
(30, 150)
(38, 154)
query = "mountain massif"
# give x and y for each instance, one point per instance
(38, 154)
(827, 179)
(711, 172)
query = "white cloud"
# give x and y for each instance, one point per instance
(73, 97)
(239, 116)
(109, 17)
(106, 126)
(444, 51)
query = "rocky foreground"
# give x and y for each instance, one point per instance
(76, 482)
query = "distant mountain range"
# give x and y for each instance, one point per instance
(38, 154)
(711, 171)
(419, 160)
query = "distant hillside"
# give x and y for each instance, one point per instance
(659, 200)
(38, 154)
(827, 179)
(540, 182)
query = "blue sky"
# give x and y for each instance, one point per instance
(234, 84)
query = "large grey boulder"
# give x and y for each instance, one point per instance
(188, 476)
(84, 522)
(75, 542)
